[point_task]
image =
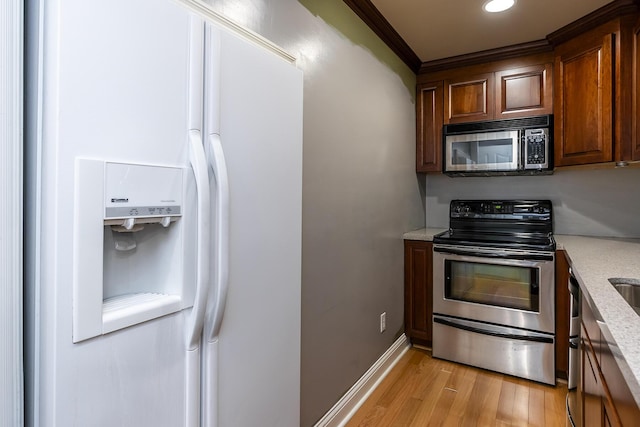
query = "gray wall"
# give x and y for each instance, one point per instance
(598, 202)
(360, 190)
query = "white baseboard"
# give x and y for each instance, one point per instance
(348, 404)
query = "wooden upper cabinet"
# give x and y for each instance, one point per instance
(596, 94)
(584, 99)
(524, 92)
(469, 99)
(429, 117)
(502, 94)
(517, 87)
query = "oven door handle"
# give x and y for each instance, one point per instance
(500, 255)
(492, 333)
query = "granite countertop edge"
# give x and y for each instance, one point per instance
(594, 260)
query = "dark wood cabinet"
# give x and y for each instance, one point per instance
(469, 98)
(562, 315)
(505, 89)
(606, 398)
(635, 120)
(620, 406)
(592, 391)
(429, 116)
(526, 91)
(508, 91)
(418, 291)
(584, 98)
(596, 95)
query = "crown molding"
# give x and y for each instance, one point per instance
(383, 29)
(490, 55)
(606, 13)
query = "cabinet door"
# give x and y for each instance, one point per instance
(620, 404)
(429, 113)
(524, 92)
(584, 100)
(469, 99)
(418, 291)
(591, 387)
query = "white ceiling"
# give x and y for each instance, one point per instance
(436, 29)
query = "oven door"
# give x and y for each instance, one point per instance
(496, 151)
(513, 288)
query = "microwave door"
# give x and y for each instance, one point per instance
(482, 152)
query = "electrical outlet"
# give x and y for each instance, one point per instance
(383, 321)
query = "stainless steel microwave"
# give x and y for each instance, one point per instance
(522, 146)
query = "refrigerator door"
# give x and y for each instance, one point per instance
(114, 87)
(256, 344)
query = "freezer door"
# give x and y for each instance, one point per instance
(114, 87)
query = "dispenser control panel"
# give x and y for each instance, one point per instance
(135, 191)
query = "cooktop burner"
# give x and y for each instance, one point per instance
(515, 224)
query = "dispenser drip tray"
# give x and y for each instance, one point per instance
(125, 310)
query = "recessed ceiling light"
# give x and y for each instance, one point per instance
(498, 5)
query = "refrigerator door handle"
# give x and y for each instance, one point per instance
(217, 163)
(198, 162)
(218, 296)
(219, 181)
(195, 321)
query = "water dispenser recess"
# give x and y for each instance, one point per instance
(128, 245)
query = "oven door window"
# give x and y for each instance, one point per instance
(493, 284)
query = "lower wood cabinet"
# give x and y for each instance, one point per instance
(418, 291)
(606, 398)
(592, 391)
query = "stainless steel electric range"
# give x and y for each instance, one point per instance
(494, 287)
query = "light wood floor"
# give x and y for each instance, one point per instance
(421, 391)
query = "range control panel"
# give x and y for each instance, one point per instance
(495, 209)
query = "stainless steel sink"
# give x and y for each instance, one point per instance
(629, 289)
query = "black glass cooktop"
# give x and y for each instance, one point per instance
(516, 224)
(509, 241)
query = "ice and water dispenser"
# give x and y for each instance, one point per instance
(128, 245)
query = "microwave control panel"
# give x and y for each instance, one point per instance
(536, 148)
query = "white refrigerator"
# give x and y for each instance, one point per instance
(163, 218)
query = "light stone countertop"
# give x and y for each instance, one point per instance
(425, 234)
(594, 260)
